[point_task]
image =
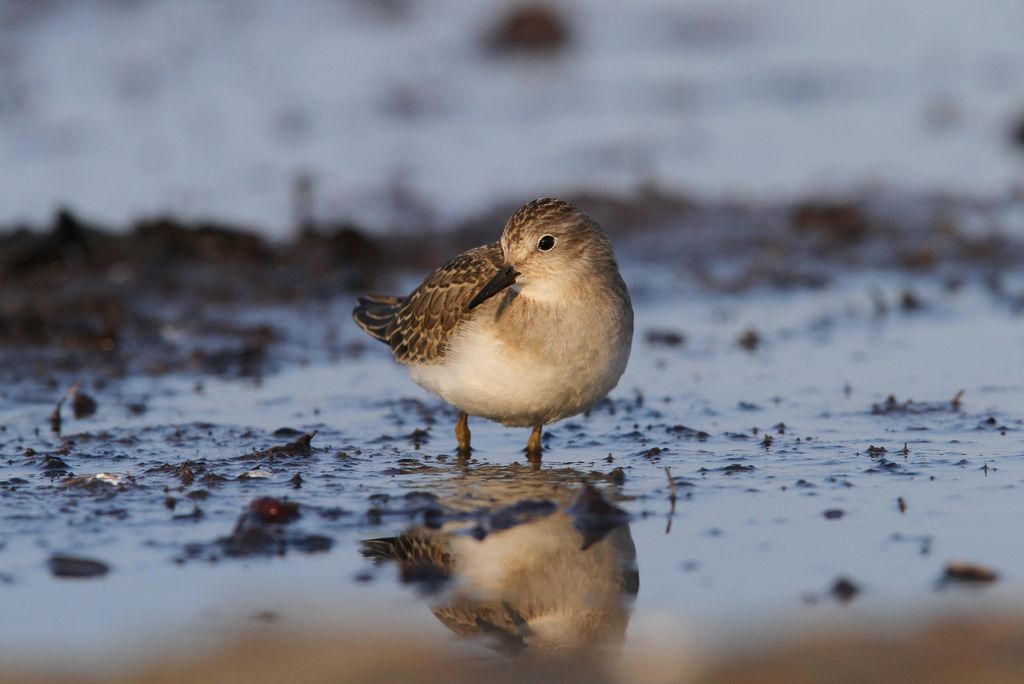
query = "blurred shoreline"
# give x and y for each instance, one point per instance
(952, 650)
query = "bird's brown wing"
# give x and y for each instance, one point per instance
(425, 321)
(501, 626)
(422, 555)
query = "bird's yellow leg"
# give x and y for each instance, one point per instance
(533, 447)
(462, 433)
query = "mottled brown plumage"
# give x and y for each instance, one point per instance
(418, 327)
(545, 210)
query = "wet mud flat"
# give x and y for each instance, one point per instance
(820, 425)
(163, 295)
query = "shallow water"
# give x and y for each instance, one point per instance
(747, 548)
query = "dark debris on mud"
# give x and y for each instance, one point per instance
(301, 446)
(968, 573)
(76, 567)
(843, 591)
(535, 28)
(891, 405)
(165, 295)
(265, 528)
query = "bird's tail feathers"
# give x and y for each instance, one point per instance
(375, 313)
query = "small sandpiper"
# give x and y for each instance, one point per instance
(525, 331)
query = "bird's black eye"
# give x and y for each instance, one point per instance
(546, 243)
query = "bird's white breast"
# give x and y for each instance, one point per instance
(565, 370)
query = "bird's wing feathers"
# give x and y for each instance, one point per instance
(426, 320)
(502, 626)
(411, 549)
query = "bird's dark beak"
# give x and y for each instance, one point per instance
(501, 280)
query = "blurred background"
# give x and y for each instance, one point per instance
(400, 113)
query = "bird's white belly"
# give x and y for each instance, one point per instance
(482, 376)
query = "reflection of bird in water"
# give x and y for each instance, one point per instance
(539, 587)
